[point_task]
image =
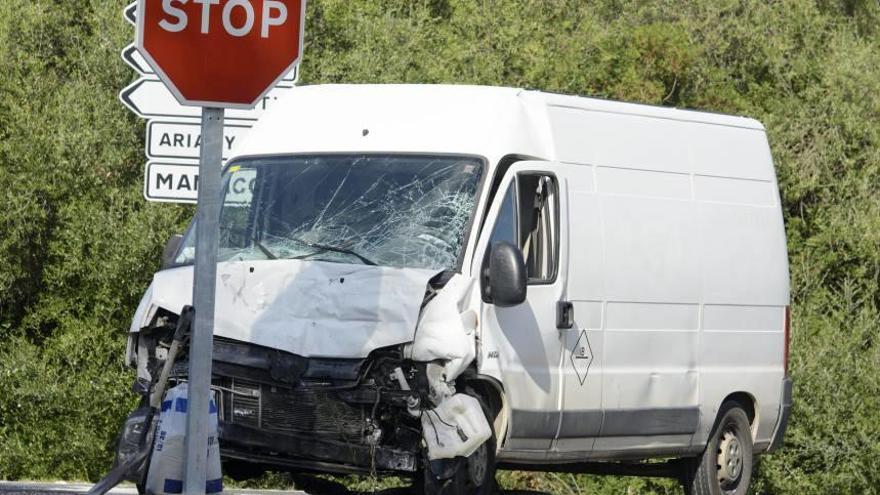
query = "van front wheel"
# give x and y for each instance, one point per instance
(725, 468)
(472, 475)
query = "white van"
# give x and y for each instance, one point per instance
(435, 281)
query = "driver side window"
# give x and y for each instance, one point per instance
(529, 220)
(506, 224)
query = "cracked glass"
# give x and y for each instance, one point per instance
(390, 210)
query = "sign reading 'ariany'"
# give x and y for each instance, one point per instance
(236, 50)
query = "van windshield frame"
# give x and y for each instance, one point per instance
(439, 194)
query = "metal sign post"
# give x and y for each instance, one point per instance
(199, 61)
(204, 286)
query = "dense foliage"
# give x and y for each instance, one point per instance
(78, 243)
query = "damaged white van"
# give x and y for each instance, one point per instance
(438, 281)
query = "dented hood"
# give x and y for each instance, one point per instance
(310, 308)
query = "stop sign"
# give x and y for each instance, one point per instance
(221, 53)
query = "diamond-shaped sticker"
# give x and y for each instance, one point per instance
(582, 356)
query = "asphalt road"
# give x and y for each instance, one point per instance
(61, 488)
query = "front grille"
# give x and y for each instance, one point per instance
(244, 403)
(286, 410)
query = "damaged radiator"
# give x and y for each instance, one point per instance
(284, 410)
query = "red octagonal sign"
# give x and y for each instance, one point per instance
(221, 53)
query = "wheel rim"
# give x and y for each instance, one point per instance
(478, 465)
(730, 460)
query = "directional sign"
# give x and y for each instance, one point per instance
(228, 57)
(178, 182)
(183, 139)
(171, 182)
(134, 59)
(130, 13)
(174, 137)
(151, 98)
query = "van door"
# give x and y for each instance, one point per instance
(581, 330)
(524, 338)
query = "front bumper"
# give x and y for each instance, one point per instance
(271, 425)
(305, 451)
(281, 410)
(784, 414)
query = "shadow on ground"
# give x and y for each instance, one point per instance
(320, 486)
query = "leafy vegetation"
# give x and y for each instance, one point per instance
(78, 243)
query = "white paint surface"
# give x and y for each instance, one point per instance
(672, 251)
(310, 308)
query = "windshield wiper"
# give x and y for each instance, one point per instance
(269, 254)
(323, 247)
(319, 248)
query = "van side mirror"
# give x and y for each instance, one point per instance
(170, 250)
(503, 276)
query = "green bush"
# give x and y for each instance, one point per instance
(78, 243)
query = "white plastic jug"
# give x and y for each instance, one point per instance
(457, 427)
(165, 475)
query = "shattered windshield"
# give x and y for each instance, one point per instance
(389, 210)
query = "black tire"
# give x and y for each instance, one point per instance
(474, 475)
(241, 471)
(731, 444)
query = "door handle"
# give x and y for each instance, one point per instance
(564, 315)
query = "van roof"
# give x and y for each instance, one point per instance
(424, 118)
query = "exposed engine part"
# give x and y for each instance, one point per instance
(413, 406)
(368, 414)
(373, 433)
(439, 389)
(364, 413)
(153, 344)
(398, 374)
(179, 341)
(286, 410)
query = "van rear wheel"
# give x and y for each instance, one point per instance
(725, 467)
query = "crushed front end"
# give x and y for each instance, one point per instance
(343, 326)
(395, 409)
(330, 415)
